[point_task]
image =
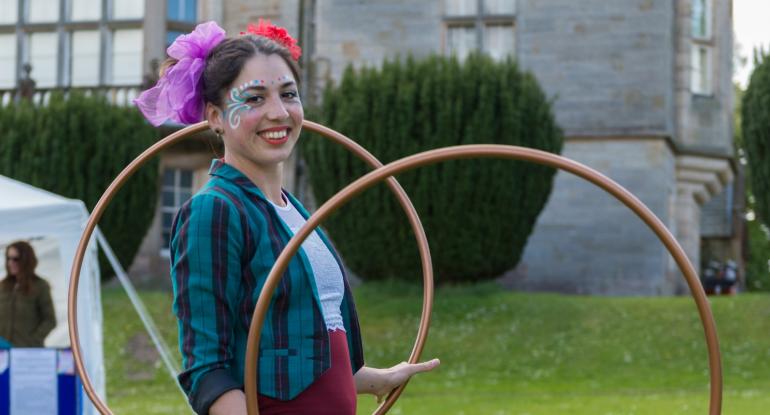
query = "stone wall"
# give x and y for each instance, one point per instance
(366, 33)
(585, 241)
(705, 122)
(717, 220)
(608, 65)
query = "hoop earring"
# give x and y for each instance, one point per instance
(218, 133)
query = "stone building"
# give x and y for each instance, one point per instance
(642, 89)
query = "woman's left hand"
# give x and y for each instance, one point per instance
(380, 382)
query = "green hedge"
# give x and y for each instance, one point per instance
(75, 147)
(477, 214)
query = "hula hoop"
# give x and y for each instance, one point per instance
(120, 180)
(486, 151)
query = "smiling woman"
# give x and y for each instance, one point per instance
(225, 240)
(261, 121)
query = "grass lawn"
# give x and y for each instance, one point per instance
(508, 353)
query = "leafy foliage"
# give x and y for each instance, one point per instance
(75, 146)
(755, 131)
(752, 135)
(477, 213)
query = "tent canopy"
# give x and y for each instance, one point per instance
(53, 225)
(28, 211)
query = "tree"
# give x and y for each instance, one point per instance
(755, 132)
(757, 264)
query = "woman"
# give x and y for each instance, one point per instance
(227, 237)
(26, 308)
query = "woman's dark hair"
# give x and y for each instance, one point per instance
(27, 263)
(225, 61)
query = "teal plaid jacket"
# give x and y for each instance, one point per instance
(224, 242)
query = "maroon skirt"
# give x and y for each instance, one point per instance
(333, 393)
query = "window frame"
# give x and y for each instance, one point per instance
(110, 13)
(176, 188)
(480, 21)
(702, 73)
(485, 40)
(15, 59)
(64, 26)
(60, 10)
(706, 43)
(70, 9)
(71, 58)
(109, 74)
(185, 19)
(709, 20)
(58, 56)
(456, 25)
(15, 19)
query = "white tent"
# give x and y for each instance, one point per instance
(53, 225)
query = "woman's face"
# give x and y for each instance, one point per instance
(12, 261)
(262, 114)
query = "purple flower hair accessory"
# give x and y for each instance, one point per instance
(177, 96)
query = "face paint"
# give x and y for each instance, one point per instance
(281, 79)
(237, 103)
(239, 97)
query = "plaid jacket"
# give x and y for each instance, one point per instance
(224, 243)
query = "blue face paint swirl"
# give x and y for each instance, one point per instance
(237, 103)
(239, 99)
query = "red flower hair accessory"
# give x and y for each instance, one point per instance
(276, 33)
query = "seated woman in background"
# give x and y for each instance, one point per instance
(26, 307)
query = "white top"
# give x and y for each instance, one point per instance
(328, 276)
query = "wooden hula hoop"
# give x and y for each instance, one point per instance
(120, 180)
(485, 151)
